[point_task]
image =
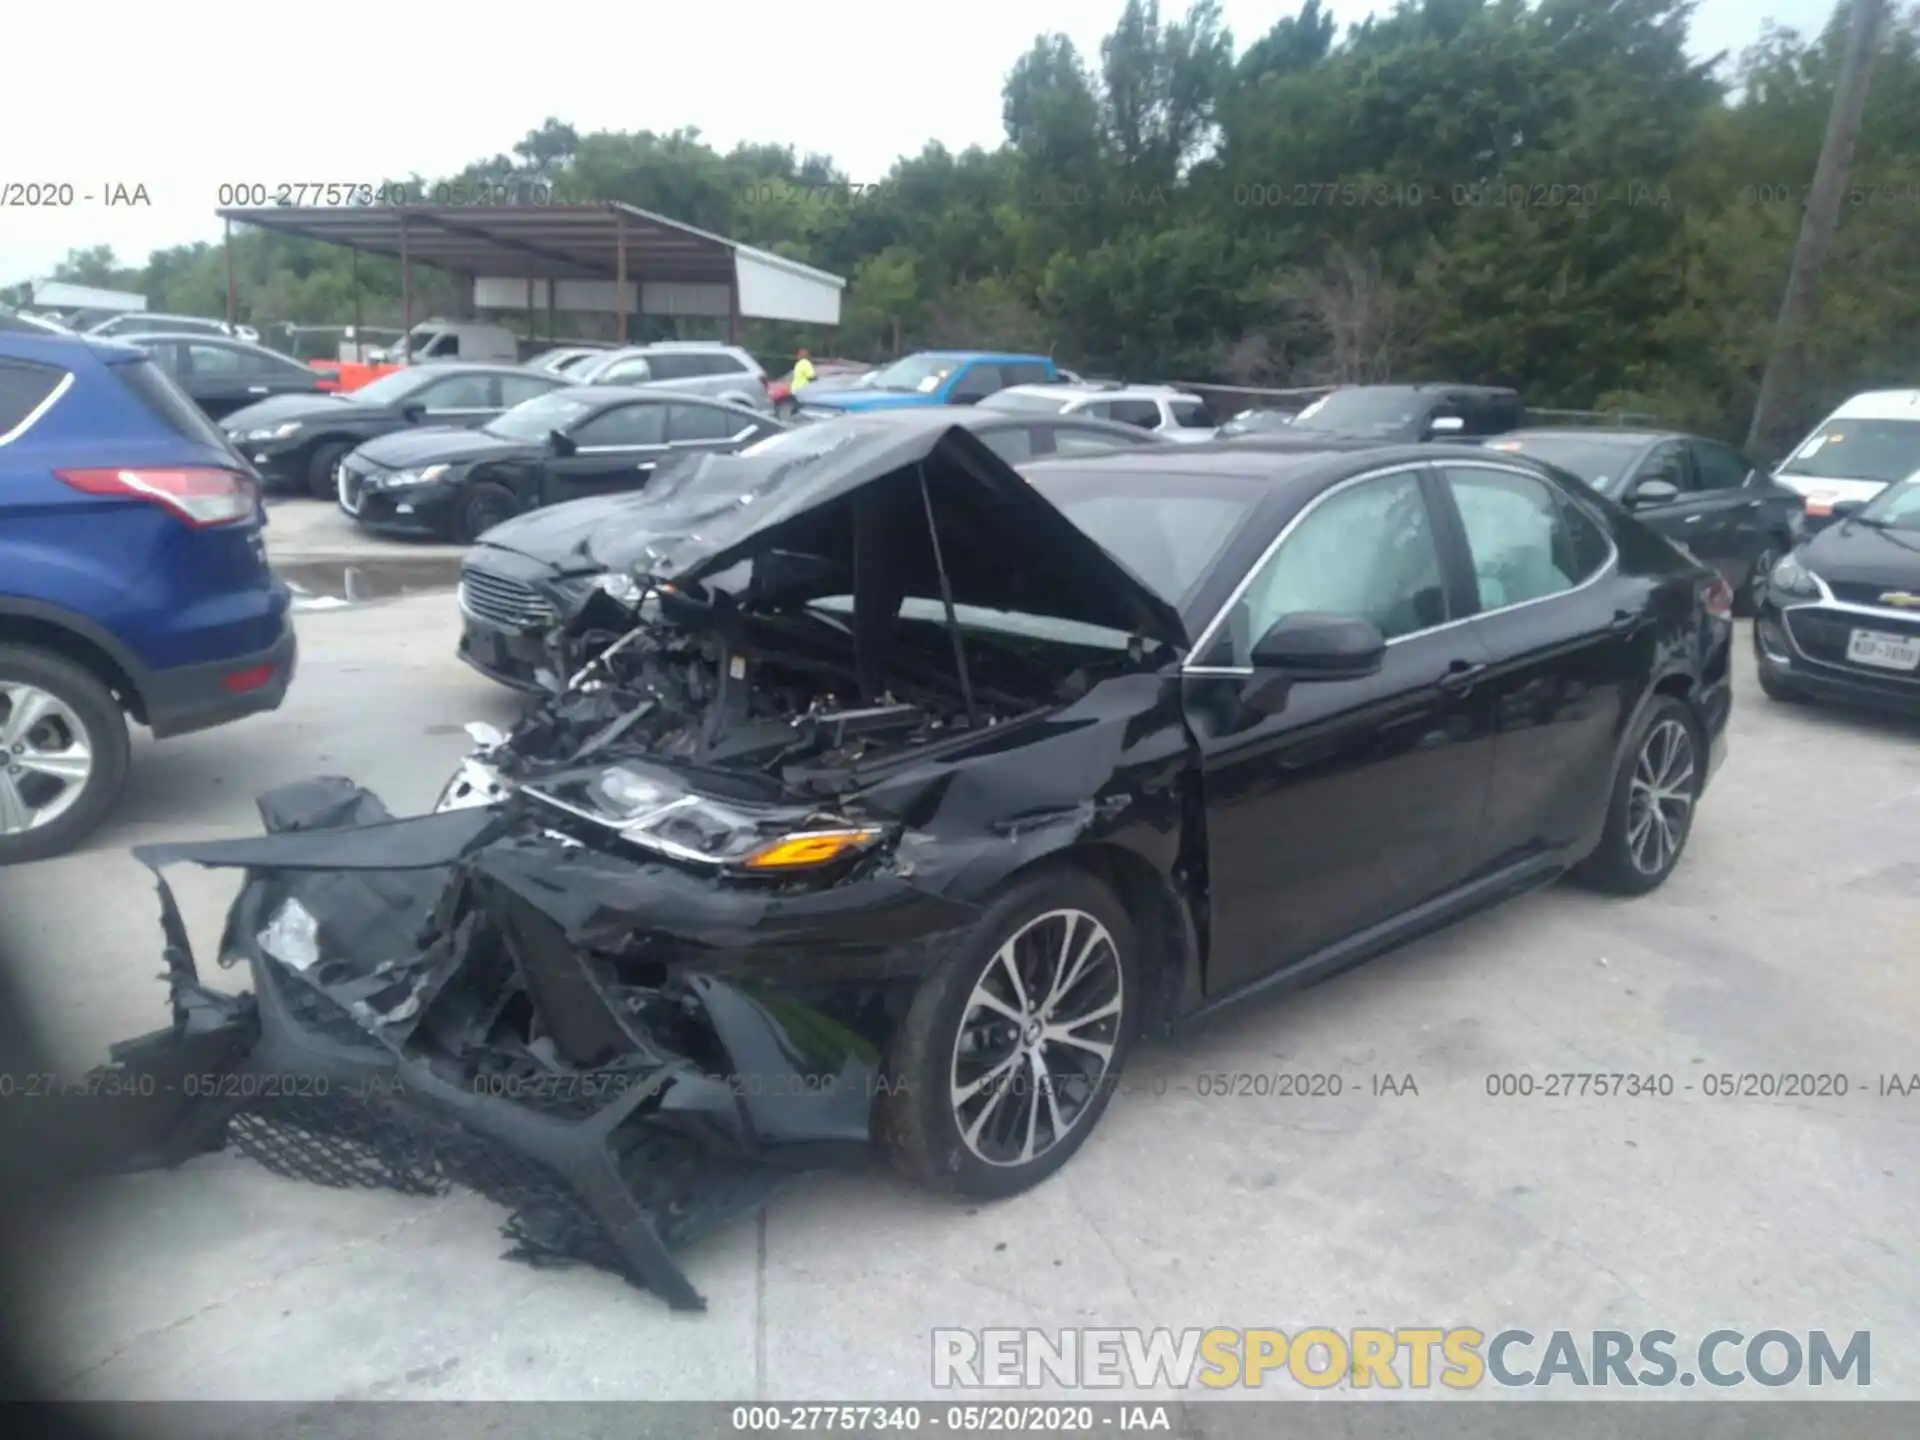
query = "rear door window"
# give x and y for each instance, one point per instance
(517, 389)
(215, 361)
(1143, 413)
(1192, 414)
(674, 367)
(24, 388)
(1026, 372)
(691, 424)
(462, 393)
(624, 428)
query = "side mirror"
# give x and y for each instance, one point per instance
(1653, 492)
(561, 444)
(1308, 647)
(1843, 508)
(413, 412)
(1446, 425)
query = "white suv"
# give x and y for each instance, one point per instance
(1170, 413)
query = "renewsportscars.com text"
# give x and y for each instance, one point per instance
(1413, 1358)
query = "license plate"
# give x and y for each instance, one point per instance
(1884, 651)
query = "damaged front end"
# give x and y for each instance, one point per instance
(647, 954)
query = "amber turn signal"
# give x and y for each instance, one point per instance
(814, 847)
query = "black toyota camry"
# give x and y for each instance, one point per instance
(295, 441)
(1841, 617)
(572, 444)
(910, 790)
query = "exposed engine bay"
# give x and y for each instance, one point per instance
(649, 950)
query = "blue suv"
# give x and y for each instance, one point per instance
(133, 581)
(929, 377)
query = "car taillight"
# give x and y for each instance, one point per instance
(201, 496)
(1720, 599)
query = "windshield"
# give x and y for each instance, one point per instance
(920, 373)
(1166, 529)
(1885, 450)
(1895, 508)
(1371, 410)
(535, 419)
(391, 389)
(1599, 464)
(1031, 404)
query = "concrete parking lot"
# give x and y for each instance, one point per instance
(1788, 941)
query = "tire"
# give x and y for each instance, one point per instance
(1746, 600)
(484, 505)
(1620, 864)
(916, 1120)
(76, 709)
(320, 465)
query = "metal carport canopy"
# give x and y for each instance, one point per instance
(605, 241)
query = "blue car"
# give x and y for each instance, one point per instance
(133, 581)
(929, 377)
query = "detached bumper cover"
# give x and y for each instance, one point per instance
(370, 1052)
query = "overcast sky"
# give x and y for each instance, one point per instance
(182, 98)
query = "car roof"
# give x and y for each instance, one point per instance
(470, 367)
(1881, 405)
(973, 417)
(1102, 392)
(1595, 435)
(50, 349)
(1257, 465)
(604, 396)
(980, 355)
(1428, 387)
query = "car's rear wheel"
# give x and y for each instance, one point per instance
(1654, 795)
(1009, 1053)
(320, 482)
(63, 753)
(484, 505)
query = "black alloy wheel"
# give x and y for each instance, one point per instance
(1011, 1050)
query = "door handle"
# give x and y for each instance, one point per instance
(1695, 519)
(256, 389)
(1461, 676)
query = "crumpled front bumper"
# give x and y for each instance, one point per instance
(365, 1066)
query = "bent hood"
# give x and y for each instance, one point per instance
(561, 534)
(1003, 545)
(440, 445)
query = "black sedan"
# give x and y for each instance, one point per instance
(506, 578)
(1841, 617)
(571, 444)
(295, 441)
(915, 789)
(1706, 495)
(222, 376)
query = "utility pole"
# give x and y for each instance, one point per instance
(1822, 216)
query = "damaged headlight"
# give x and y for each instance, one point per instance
(651, 809)
(621, 588)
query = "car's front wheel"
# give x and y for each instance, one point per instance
(1654, 794)
(320, 481)
(1010, 1051)
(63, 753)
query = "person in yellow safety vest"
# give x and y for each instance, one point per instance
(802, 372)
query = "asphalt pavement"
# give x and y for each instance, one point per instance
(1788, 941)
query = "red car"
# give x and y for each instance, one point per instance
(780, 391)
